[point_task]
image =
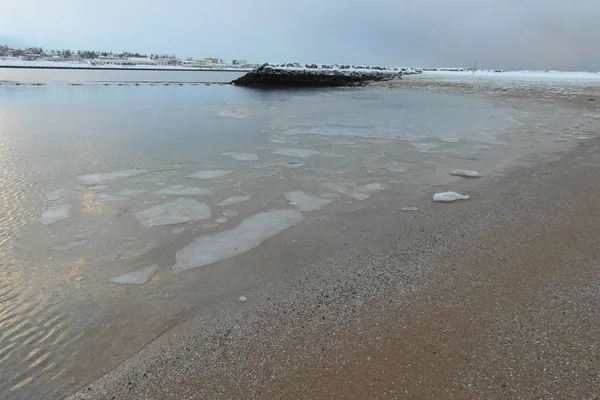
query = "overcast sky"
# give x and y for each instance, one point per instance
(540, 34)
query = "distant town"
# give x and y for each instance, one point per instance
(39, 57)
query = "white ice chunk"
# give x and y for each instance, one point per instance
(109, 176)
(244, 156)
(449, 196)
(210, 174)
(234, 200)
(180, 190)
(137, 277)
(466, 173)
(177, 231)
(230, 213)
(104, 198)
(221, 220)
(55, 214)
(346, 191)
(410, 208)
(176, 212)
(305, 202)
(249, 234)
(232, 114)
(301, 153)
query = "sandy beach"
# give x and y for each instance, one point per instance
(496, 297)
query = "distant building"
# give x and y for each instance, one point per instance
(211, 60)
(31, 56)
(239, 62)
(166, 61)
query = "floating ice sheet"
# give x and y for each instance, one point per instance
(176, 212)
(57, 195)
(230, 213)
(249, 234)
(109, 176)
(449, 196)
(180, 190)
(410, 208)
(137, 277)
(305, 202)
(232, 114)
(210, 174)
(72, 245)
(301, 153)
(55, 214)
(234, 200)
(244, 156)
(465, 173)
(372, 187)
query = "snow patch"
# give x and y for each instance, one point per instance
(249, 234)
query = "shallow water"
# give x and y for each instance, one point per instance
(108, 193)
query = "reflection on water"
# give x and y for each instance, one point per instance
(108, 193)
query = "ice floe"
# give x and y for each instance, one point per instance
(180, 190)
(232, 114)
(57, 195)
(449, 196)
(55, 214)
(249, 234)
(243, 156)
(176, 212)
(72, 245)
(137, 277)
(221, 220)
(234, 200)
(301, 153)
(305, 202)
(372, 187)
(465, 173)
(410, 208)
(210, 174)
(109, 176)
(230, 213)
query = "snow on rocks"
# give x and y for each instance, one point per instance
(449, 196)
(175, 212)
(305, 202)
(247, 235)
(465, 173)
(138, 277)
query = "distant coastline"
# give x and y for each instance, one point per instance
(119, 68)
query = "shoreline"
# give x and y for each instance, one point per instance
(93, 68)
(387, 270)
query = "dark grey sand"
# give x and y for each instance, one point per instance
(494, 297)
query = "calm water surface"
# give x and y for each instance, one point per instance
(197, 162)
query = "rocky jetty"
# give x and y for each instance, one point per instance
(319, 75)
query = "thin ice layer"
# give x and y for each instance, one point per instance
(180, 190)
(305, 202)
(234, 200)
(249, 234)
(302, 153)
(137, 277)
(109, 176)
(210, 174)
(55, 214)
(176, 212)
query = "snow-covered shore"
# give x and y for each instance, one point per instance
(45, 64)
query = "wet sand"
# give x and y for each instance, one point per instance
(494, 297)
